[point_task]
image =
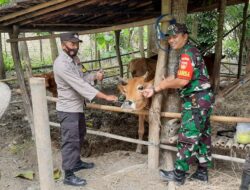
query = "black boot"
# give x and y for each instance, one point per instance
(245, 181)
(177, 176)
(71, 179)
(83, 165)
(200, 174)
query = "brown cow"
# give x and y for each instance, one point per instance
(49, 82)
(143, 71)
(134, 100)
(139, 66)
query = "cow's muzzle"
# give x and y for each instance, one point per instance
(127, 104)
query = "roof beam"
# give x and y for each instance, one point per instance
(74, 25)
(29, 10)
(99, 30)
(55, 13)
(43, 11)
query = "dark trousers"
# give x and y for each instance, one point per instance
(73, 130)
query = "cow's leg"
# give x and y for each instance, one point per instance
(140, 132)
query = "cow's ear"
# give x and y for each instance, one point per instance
(145, 76)
(122, 88)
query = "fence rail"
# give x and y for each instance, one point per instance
(43, 139)
(162, 146)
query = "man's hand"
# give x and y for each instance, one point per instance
(99, 75)
(148, 92)
(111, 98)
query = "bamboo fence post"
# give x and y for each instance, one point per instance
(218, 47)
(117, 49)
(42, 133)
(20, 78)
(154, 114)
(242, 40)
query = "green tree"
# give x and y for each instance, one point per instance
(3, 2)
(207, 27)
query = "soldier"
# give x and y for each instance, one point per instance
(192, 81)
(73, 86)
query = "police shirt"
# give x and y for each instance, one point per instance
(72, 84)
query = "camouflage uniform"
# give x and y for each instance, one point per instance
(194, 137)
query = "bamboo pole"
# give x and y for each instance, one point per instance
(165, 147)
(163, 114)
(42, 133)
(154, 113)
(222, 141)
(214, 142)
(247, 147)
(7, 80)
(235, 145)
(241, 146)
(229, 143)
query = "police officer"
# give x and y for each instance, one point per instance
(192, 81)
(73, 87)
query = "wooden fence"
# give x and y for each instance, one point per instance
(43, 140)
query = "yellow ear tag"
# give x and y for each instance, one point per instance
(84, 70)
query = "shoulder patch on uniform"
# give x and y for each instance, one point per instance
(185, 70)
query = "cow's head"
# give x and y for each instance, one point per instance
(137, 67)
(132, 89)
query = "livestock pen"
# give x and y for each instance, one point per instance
(43, 140)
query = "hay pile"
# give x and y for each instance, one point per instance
(237, 104)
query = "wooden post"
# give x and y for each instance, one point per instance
(53, 47)
(117, 49)
(154, 113)
(2, 67)
(172, 100)
(42, 133)
(151, 45)
(141, 40)
(25, 57)
(218, 47)
(20, 77)
(248, 55)
(242, 40)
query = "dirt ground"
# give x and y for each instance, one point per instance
(118, 167)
